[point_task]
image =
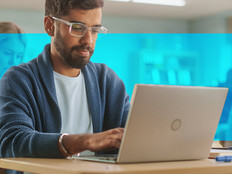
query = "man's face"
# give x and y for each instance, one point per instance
(76, 51)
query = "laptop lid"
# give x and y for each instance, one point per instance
(171, 123)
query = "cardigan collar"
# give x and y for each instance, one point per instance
(92, 87)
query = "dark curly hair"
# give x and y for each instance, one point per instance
(60, 8)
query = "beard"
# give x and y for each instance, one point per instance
(71, 57)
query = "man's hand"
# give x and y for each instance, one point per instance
(107, 140)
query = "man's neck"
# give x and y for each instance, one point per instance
(60, 67)
(70, 72)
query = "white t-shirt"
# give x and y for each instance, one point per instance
(72, 100)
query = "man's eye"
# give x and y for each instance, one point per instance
(95, 30)
(77, 27)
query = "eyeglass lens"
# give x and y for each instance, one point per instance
(80, 30)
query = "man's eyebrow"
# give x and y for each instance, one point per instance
(77, 22)
(98, 25)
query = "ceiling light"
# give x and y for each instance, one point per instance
(120, 0)
(162, 2)
(158, 2)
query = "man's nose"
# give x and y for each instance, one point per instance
(87, 38)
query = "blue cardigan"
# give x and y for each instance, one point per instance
(30, 118)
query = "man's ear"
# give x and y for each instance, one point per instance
(49, 25)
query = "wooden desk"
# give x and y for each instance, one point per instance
(71, 166)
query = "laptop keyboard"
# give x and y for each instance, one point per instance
(106, 157)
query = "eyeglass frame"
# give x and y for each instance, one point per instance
(71, 23)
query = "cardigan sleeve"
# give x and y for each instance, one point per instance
(117, 104)
(114, 98)
(22, 132)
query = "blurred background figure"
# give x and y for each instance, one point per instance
(9, 27)
(224, 131)
(12, 45)
(228, 104)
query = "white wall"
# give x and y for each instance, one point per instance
(211, 24)
(32, 22)
(117, 24)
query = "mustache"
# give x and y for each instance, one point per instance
(82, 47)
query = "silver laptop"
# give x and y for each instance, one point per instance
(167, 123)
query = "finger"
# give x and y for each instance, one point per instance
(117, 136)
(120, 129)
(116, 130)
(114, 143)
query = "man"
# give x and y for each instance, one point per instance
(61, 91)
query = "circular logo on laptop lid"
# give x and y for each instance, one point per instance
(176, 124)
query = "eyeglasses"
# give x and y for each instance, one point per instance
(79, 29)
